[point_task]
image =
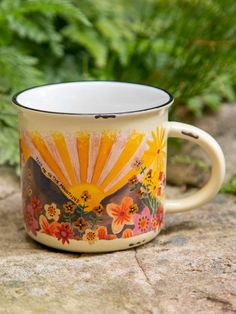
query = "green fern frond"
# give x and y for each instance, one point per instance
(17, 69)
(53, 7)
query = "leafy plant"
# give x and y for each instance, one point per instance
(186, 47)
(229, 187)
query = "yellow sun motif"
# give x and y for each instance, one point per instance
(157, 149)
(89, 166)
(95, 195)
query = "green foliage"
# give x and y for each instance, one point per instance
(229, 187)
(188, 160)
(185, 46)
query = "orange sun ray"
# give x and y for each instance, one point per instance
(107, 140)
(47, 157)
(83, 153)
(127, 153)
(61, 146)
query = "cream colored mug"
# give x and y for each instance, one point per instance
(93, 164)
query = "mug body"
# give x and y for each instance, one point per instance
(93, 164)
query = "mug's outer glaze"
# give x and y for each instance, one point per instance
(95, 183)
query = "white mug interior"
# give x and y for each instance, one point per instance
(93, 97)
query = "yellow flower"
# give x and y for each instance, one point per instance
(157, 149)
(98, 209)
(133, 181)
(69, 207)
(133, 209)
(29, 191)
(153, 189)
(81, 224)
(148, 178)
(137, 164)
(52, 212)
(85, 196)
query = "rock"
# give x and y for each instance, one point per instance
(220, 125)
(185, 173)
(189, 268)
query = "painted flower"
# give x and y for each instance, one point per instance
(155, 183)
(29, 191)
(141, 193)
(133, 181)
(29, 173)
(161, 177)
(36, 206)
(30, 221)
(148, 178)
(69, 207)
(64, 232)
(103, 234)
(128, 233)
(157, 149)
(153, 190)
(159, 191)
(98, 209)
(91, 235)
(159, 215)
(120, 214)
(137, 164)
(133, 209)
(46, 227)
(85, 196)
(155, 224)
(81, 224)
(52, 212)
(142, 222)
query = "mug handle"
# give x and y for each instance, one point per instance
(212, 148)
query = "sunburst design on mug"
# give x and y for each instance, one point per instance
(96, 163)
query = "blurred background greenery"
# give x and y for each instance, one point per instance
(185, 46)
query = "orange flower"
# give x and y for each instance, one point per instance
(120, 214)
(48, 228)
(155, 223)
(128, 233)
(103, 235)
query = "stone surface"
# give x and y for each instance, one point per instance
(221, 125)
(189, 268)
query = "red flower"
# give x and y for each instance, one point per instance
(159, 215)
(36, 206)
(30, 221)
(64, 232)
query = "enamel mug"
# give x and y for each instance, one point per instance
(93, 164)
